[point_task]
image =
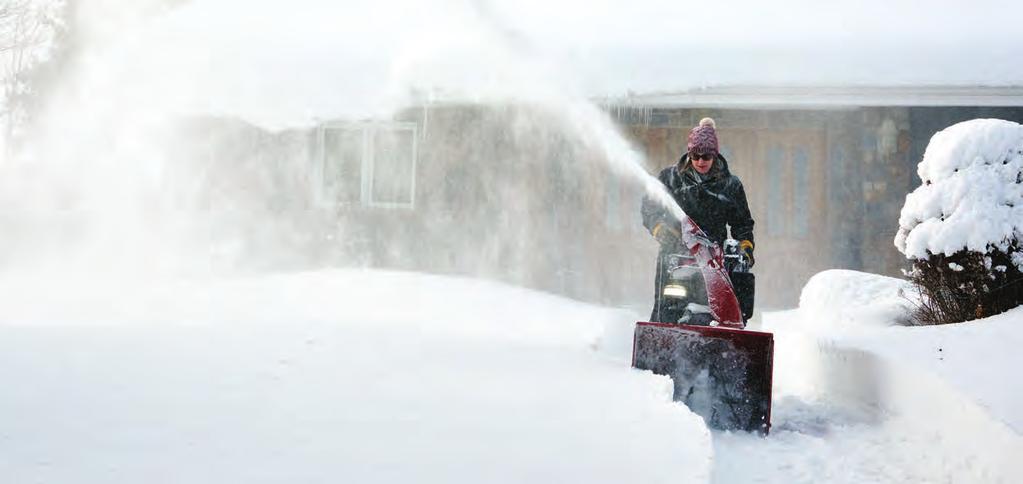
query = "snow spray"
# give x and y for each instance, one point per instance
(101, 185)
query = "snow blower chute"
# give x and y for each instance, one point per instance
(720, 371)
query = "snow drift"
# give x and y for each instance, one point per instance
(851, 298)
(329, 377)
(979, 359)
(859, 398)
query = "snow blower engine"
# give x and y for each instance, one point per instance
(721, 371)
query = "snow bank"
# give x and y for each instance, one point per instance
(858, 398)
(854, 408)
(979, 359)
(843, 298)
(327, 377)
(971, 197)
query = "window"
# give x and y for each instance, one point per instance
(776, 209)
(800, 193)
(368, 164)
(393, 166)
(342, 164)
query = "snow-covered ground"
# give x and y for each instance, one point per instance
(375, 376)
(857, 399)
(328, 377)
(977, 358)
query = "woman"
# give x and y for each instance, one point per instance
(709, 194)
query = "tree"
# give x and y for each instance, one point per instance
(28, 29)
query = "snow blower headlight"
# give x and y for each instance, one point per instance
(674, 290)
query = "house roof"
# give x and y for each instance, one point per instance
(827, 96)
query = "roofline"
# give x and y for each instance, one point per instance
(781, 97)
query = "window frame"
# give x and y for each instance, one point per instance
(367, 188)
(367, 163)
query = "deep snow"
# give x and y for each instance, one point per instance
(328, 377)
(860, 398)
(978, 359)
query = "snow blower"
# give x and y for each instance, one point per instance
(721, 371)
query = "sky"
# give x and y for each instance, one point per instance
(327, 59)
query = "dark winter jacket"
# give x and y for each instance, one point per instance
(710, 200)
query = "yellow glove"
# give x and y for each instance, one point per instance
(666, 235)
(746, 247)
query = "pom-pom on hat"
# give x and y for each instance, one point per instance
(703, 138)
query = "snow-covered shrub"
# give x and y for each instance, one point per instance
(963, 227)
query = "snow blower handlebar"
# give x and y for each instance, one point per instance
(736, 259)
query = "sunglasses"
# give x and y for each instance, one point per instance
(704, 157)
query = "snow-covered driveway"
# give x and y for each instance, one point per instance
(327, 377)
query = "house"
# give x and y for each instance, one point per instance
(505, 192)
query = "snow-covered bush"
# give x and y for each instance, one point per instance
(963, 227)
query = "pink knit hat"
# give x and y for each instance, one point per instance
(703, 138)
